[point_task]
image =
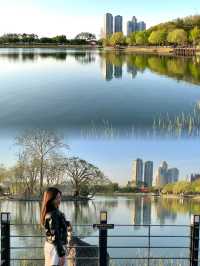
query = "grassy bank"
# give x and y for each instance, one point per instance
(149, 50)
(142, 50)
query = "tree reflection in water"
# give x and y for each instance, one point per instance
(140, 210)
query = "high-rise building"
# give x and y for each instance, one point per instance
(172, 174)
(141, 26)
(148, 173)
(129, 28)
(134, 26)
(108, 24)
(137, 172)
(162, 178)
(165, 175)
(118, 23)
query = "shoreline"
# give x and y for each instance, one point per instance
(114, 194)
(48, 46)
(165, 51)
(142, 50)
(37, 198)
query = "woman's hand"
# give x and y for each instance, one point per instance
(62, 261)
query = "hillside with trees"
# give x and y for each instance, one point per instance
(182, 31)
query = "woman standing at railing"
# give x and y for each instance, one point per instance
(55, 224)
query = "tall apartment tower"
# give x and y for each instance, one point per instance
(108, 24)
(162, 178)
(148, 174)
(141, 26)
(172, 175)
(134, 24)
(137, 172)
(118, 23)
(129, 28)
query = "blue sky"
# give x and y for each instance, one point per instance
(50, 17)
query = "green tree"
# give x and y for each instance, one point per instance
(130, 40)
(158, 37)
(181, 187)
(117, 39)
(106, 41)
(60, 39)
(141, 38)
(177, 36)
(195, 35)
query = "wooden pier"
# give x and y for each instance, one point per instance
(185, 51)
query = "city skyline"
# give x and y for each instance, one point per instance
(71, 18)
(114, 23)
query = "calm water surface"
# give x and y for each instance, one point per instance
(86, 91)
(133, 210)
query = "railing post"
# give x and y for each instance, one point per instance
(149, 243)
(103, 240)
(5, 239)
(194, 240)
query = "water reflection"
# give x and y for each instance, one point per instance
(179, 68)
(112, 63)
(82, 57)
(140, 210)
(137, 100)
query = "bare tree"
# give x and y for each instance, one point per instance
(41, 144)
(26, 173)
(55, 170)
(83, 175)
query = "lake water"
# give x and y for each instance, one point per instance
(88, 92)
(126, 210)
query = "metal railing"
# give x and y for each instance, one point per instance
(99, 254)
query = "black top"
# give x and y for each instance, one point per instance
(56, 230)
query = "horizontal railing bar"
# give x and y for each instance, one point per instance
(153, 225)
(150, 258)
(113, 258)
(94, 246)
(77, 258)
(82, 236)
(117, 225)
(144, 247)
(91, 246)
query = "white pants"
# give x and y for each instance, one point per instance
(51, 255)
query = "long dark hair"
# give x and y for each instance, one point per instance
(47, 202)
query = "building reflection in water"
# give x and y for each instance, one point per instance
(145, 208)
(106, 70)
(140, 208)
(118, 71)
(131, 69)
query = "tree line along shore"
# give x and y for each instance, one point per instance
(179, 32)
